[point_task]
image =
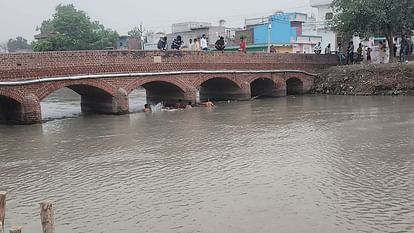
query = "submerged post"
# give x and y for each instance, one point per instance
(2, 209)
(16, 230)
(47, 217)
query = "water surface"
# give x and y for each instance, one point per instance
(304, 164)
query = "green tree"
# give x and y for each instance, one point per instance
(14, 45)
(72, 29)
(373, 17)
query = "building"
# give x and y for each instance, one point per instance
(283, 32)
(325, 14)
(151, 40)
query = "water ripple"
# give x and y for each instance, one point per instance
(311, 164)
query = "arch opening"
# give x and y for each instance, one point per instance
(73, 100)
(94, 100)
(163, 92)
(294, 86)
(221, 89)
(263, 88)
(11, 111)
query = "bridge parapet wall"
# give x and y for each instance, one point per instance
(55, 64)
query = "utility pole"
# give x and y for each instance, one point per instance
(141, 32)
(269, 32)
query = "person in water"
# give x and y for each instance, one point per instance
(209, 104)
(180, 104)
(189, 105)
(147, 108)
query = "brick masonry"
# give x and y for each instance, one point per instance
(110, 95)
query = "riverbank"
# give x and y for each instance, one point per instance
(378, 79)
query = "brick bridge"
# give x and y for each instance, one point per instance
(104, 79)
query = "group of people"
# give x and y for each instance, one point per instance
(197, 44)
(349, 57)
(178, 44)
(180, 105)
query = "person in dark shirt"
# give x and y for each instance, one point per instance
(350, 59)
(162, 43)
(220, 44)
(177, 43)
(404, 49)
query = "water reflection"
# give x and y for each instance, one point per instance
(296, 164)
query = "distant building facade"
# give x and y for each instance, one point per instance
(151, 40)
(325, 13)
(283, 32)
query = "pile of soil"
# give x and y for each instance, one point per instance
(379, 79)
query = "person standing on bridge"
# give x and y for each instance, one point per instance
(203, 43)
(190, 45)
(162, 43)
(243, 44)
(196, 46)
(177, 43)
(220, 44)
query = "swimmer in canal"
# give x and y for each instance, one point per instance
(189, 105)
(209, 104)
(147, 108)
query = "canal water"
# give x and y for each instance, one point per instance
(297, 164)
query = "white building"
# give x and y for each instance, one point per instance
(152, 40)
(324, 14)
(188, 26)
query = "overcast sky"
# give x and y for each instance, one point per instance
(20, 17)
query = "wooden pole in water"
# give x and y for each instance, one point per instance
(47, 217)
(16, 230)
(2, 209)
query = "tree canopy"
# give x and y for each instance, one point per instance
(72, 29)
(19, 43)
(373, 17)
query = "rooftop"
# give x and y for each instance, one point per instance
(315, 3)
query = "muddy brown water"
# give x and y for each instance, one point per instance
(295, 164)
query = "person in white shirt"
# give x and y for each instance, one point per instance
(203, 43)
(191, 45)
(196, 46)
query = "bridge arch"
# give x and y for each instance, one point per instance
(263, 87)
(294, 86)
(19, 108)
(78, 86)
(10, 107)
(222, 89)
(97, 96)
(167, 90)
